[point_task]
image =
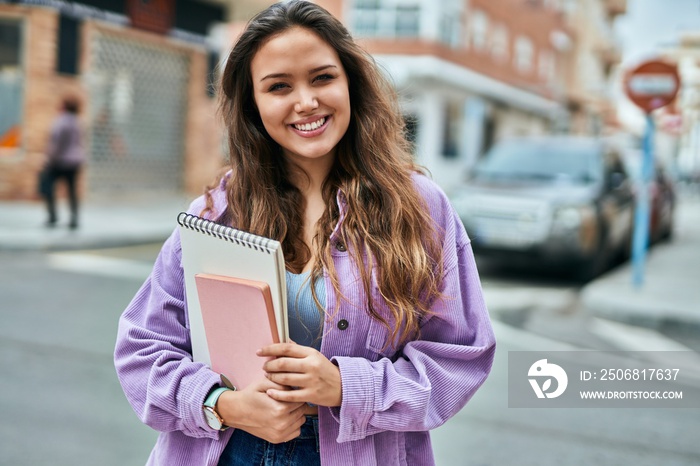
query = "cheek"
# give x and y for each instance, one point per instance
(341, 98)
(344, 104)
(271, 115)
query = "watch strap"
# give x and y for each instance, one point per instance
(209, 408)
(214, 396)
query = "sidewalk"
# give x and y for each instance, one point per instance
(104, 223)
(670, 293)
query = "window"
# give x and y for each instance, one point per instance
(524, 52)
(365, 15)
(411, 129)
(546, 66)
(11, 78)
(454, 119)
(386, 18)
(68, 45)
(480, 26)
(499, 43)
(544, 160)
(407, 21)
(450, 27)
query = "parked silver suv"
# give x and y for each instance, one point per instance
(559, 201)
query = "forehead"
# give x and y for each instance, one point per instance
(294, 48)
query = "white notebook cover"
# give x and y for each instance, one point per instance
(210, 248)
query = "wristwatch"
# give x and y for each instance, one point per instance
(215, 421)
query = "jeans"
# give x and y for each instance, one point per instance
(69, 175)
(244, 449)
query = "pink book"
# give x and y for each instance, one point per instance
(238, 320)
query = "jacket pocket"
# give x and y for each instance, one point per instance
(378, 340)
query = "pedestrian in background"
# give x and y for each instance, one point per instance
(65, 157)
(320, 162)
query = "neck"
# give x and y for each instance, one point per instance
(309, 177)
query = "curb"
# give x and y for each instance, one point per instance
(640, 312)
(69, 243)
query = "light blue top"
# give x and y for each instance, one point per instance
(305, 322)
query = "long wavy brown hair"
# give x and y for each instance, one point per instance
(386, 227)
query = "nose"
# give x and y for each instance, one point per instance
(306, 100)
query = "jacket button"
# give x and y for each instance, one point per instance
(340, 247)
(343, 324)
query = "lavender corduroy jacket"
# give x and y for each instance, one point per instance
(390, 399)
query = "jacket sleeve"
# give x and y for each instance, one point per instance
(57, 142)
(153, 352)
(433, 377)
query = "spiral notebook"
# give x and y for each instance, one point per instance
(214, 249)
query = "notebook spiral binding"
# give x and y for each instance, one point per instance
(226, 233)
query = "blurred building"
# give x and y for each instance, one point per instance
(143, 71)
(470, 72)
(589, 68)
(680, 123)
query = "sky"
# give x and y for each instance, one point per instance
(651, 24)
(647, 27)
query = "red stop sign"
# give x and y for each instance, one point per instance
(652, 85)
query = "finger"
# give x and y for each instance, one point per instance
(310, 410)
(287, 379)
(289, 396)
(300, 410)
(295, 429)
(291, 350)
(264, 384)
(291, 408)
(281, 413)
(286, 364)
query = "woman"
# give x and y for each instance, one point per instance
(64, 158)
(391, 333)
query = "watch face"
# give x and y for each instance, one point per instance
(212, 418)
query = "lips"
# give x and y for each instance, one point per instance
(311, 128)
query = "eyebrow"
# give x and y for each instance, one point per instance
(287, 75)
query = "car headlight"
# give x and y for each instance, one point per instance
(576, 223)
(573, 217)
(568, 218)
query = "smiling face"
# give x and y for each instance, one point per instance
(301, 92)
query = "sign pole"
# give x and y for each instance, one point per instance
(640, 240)
(651, 85)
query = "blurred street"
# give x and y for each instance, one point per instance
(61, 302)
(523, 111)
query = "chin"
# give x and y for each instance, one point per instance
(315, 154)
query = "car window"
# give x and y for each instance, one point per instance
(562, 162)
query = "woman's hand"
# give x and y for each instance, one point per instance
(252, 410)
(314, 378)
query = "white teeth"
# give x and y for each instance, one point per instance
(311, 126)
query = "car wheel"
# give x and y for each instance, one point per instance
(667, 235)
(667, 232)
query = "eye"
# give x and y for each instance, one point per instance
(324, 77)
(276, 87)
